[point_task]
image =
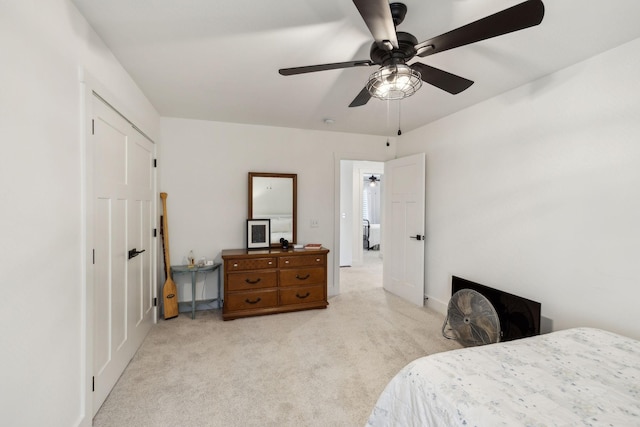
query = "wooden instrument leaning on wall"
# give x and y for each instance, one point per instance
(169, 290)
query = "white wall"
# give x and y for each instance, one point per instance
(537, 192)
(43, 44)
(204, 170)
(346, 213)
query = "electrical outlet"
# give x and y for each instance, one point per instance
(315, 223)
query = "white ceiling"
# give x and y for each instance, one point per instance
(219, 60)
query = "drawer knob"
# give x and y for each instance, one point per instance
(317, 259)
(303, 296)
(270, 262)
(286, 262)
(257, 300)
(252, 282)
(302, 278)
(235, 265)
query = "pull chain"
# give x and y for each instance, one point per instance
(399, 108)
(388, 114)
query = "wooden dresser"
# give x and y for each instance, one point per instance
(272, 281)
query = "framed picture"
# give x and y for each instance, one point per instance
(258, 233)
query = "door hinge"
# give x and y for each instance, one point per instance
(155, 232)
(93, 127)
(93, 383)
(155, 301)
(155, 163)
(94, 256)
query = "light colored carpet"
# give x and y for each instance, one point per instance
(308, 368)
(362, 277)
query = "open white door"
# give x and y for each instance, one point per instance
(404, 224)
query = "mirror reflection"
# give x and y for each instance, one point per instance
(273, 196)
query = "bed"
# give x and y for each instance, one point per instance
(575, 377)
(374, 237)
(370, 235)
(281, 226)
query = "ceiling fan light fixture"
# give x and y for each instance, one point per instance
(396, 81)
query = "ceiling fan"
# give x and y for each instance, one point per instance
(392, 49)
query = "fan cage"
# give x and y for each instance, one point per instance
(394, 82)
(472, 319)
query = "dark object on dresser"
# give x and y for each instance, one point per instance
(284, 243)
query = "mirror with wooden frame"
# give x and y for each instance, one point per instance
(274, 196)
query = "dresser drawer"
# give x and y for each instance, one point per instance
(251, 300)
(249, 264)
(302, 276)
(302, 294)
(301, 261)
(248, 280)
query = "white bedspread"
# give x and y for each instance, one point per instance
(374, 235)
(576, 377)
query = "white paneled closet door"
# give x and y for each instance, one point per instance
(123, 220)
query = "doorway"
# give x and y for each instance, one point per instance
(360, 225)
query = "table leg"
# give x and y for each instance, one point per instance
(193, 294)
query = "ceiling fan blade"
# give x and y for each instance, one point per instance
(323, 67)
(363, 97)
(518, 17)
(377, 16)
(442, 79)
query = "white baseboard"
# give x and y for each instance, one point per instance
(436, 304)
